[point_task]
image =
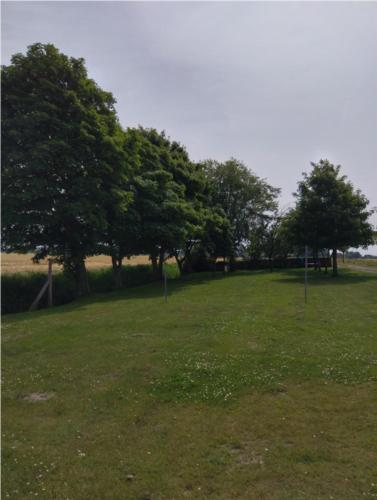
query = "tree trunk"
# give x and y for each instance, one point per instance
(232, 261)
(271, 258)
(117, 272)
(334, 262)
(317, 264)
(81, 278)
(179, 263)
(161, 264)
(271, 262)
(318, 260)
(327, 258)
(154, 265)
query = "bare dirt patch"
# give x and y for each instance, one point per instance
(111, 376)
(38, 396)
(253, 345)
(245, 455)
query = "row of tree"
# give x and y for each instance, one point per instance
(75, 184)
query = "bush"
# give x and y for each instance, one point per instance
(18, 290)
(199, 262)
(101, 280)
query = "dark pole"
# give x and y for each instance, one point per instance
(306, 273)
(49, 282)
(165, 286)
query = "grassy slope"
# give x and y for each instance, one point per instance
(233, 389)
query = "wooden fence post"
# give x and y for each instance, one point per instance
(47, 286)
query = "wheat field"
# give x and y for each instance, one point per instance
(15, 262)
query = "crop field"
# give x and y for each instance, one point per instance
(362, 262)
(233, 388)
(16, 262)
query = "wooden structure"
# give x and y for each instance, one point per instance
(47, 286)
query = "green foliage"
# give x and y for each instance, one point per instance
(169, 182)
(123, 231)
(63, 159)
(271, 239)
(18, 290)
(101, 280)
(247, 200)
(75, 184)
(329, 212)
(164, 212)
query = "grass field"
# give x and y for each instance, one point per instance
(232, 389)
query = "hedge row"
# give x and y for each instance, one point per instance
(200, 265)
(18, 290)
(290, 262)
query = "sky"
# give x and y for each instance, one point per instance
(277, 84)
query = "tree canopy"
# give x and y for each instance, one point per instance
(63, 160)
(330, 213)
(75, 183)
(247, 200)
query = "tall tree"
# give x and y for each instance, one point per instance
(63, 158)
(162, 213)
(166, 205)
(272, 241)
(329, 212)
(122, 236)
(246, 199)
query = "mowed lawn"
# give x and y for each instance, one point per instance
(234, 388)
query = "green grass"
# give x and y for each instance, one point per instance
(232, 389)
(19, 289)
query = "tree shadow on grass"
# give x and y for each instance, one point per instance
(147, 291)
(175, 286)
(345, 277)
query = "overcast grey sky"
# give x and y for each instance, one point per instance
(276, 85)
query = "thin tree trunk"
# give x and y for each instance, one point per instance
(318, 260)
(271, 262)
(117, 272)
(271, 257)
(154, 265)
(334, 262)
(315, 254)
(232, 261)
(326, 261)
(81, 278)
(179, 263)
(160, 264)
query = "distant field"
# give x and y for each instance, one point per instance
(15, 262)
(233, 389)
(362, 262)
